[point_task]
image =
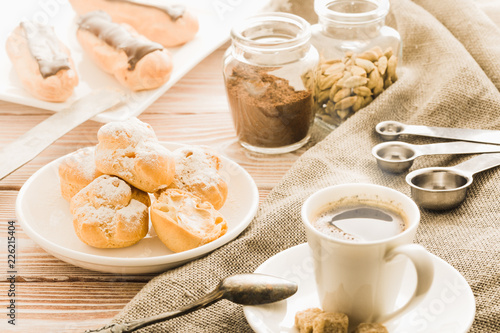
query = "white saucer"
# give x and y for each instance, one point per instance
(448, 308)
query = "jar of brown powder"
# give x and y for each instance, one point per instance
(267, 77)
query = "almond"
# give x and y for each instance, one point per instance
(362, 91)
(342, 94)
(368, 55)
(378, 51)
(367, 65)
(388, 52)
(346, 103)
(354, 81)
(382, 65)
(326, 82)
(335, 89)
(359, 71)
(337, 67)
(323, 96)
(391, 68)
(374, 78)
(357, 105)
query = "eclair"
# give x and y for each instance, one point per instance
(135, 61)
(169, 25)
(42, 62)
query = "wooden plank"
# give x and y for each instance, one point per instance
(67, 307)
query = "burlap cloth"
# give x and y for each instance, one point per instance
(451, 78)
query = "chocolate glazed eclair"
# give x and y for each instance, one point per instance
(169, 25)
(42, 62)
(135, 61)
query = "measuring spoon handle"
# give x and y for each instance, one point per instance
(458, 147)
(474, 135)
(479, 163)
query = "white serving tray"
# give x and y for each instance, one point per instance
(216, 17)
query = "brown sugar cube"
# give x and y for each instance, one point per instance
(304, 319)
(329, 322)
(371, 328)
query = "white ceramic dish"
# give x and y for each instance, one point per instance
(448, 308)
(216, 19)
(44, 216)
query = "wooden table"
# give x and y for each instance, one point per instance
(54, 296)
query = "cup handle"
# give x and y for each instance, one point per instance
(425, 275)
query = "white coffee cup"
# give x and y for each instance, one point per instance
(363, 279)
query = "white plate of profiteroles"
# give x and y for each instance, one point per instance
(45, 217)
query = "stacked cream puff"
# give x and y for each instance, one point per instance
(108, 189)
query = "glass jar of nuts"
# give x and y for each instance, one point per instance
(359, 55)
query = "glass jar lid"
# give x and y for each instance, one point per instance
(271, 32)
(352, 11)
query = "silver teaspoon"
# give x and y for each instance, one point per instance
(246, 289)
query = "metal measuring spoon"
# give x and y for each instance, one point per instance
(441, 188)
(246, 289)
(397, 156)
(391, 130)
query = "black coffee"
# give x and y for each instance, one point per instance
(360, 222)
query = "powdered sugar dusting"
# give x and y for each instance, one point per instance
(132, 131)
(102, 201)
(132, 212)
(196, 166)
(110, 191)
(87, 165)
(82, 161)
(130, 149)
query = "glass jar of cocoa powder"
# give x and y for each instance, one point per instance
(359, 55)
(267, 74)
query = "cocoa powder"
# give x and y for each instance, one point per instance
(267, 111)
